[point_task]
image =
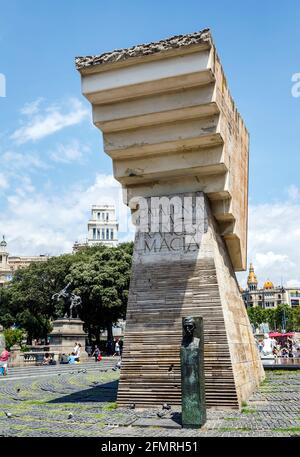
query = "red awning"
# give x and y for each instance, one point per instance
(288, 334)
(274, 334)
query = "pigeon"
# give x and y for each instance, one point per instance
(166, 406)
(72, 372)
(70, 416)
(114, 369)
(18, 390)
(160, 414)
(171, 367)
(132, 406)
(58, 374)
(9, 415)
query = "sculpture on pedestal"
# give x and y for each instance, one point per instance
(192, 373)
(71, 302)
(174, 133)
(68, 328)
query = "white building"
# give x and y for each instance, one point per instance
(10, 264)
(102, 227)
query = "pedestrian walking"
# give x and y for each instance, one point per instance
(96, 353)
(117, 348)
(4, 357)
(121, 342)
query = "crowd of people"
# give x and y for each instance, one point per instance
(284, 348)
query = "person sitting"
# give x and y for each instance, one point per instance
(4, 360)
(284, 352)
(47, 359)
(77, 352)
(72, 358)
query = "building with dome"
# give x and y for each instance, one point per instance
(268, 296)
(10, 264)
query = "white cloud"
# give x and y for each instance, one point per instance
(274, 240)
(32, 107)
(3, 181)
(36, 223)
(52, 119)
(72, 152)
(293, 192)
(21, 161)
(293, 283)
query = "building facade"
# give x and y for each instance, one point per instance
(102, 227)
(10, 264)
(268, 296)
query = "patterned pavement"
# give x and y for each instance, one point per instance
(81, 402)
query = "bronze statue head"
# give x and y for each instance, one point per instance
(189, 325)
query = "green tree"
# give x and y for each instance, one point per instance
(99, 274)
(256, 315)
(102, 279)
(13, 336)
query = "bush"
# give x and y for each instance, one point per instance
(13, 336)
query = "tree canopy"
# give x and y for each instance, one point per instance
(276, 317)
(99, 274)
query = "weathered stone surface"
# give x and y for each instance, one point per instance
(173, 42)
(173, 276)
(64, 335)
(171, 126)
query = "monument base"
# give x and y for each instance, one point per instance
(64, 335)
(174, 276)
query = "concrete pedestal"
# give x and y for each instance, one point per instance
(175, 275)
(64, 335)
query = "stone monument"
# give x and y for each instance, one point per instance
(68, 329)
(192, 373)
(176, 139)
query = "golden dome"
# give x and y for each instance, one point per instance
(268, 285)
(252, 276)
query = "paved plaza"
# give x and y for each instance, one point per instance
(81, 401)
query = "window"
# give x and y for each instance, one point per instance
(107, 234)
(94, 233)
(103, 215)
(98, 215)
(111, 234)
(98, 234)
(107, 215)
(103, 234)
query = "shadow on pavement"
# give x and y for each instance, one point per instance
(106, 392)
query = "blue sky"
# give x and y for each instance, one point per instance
(52, 162)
